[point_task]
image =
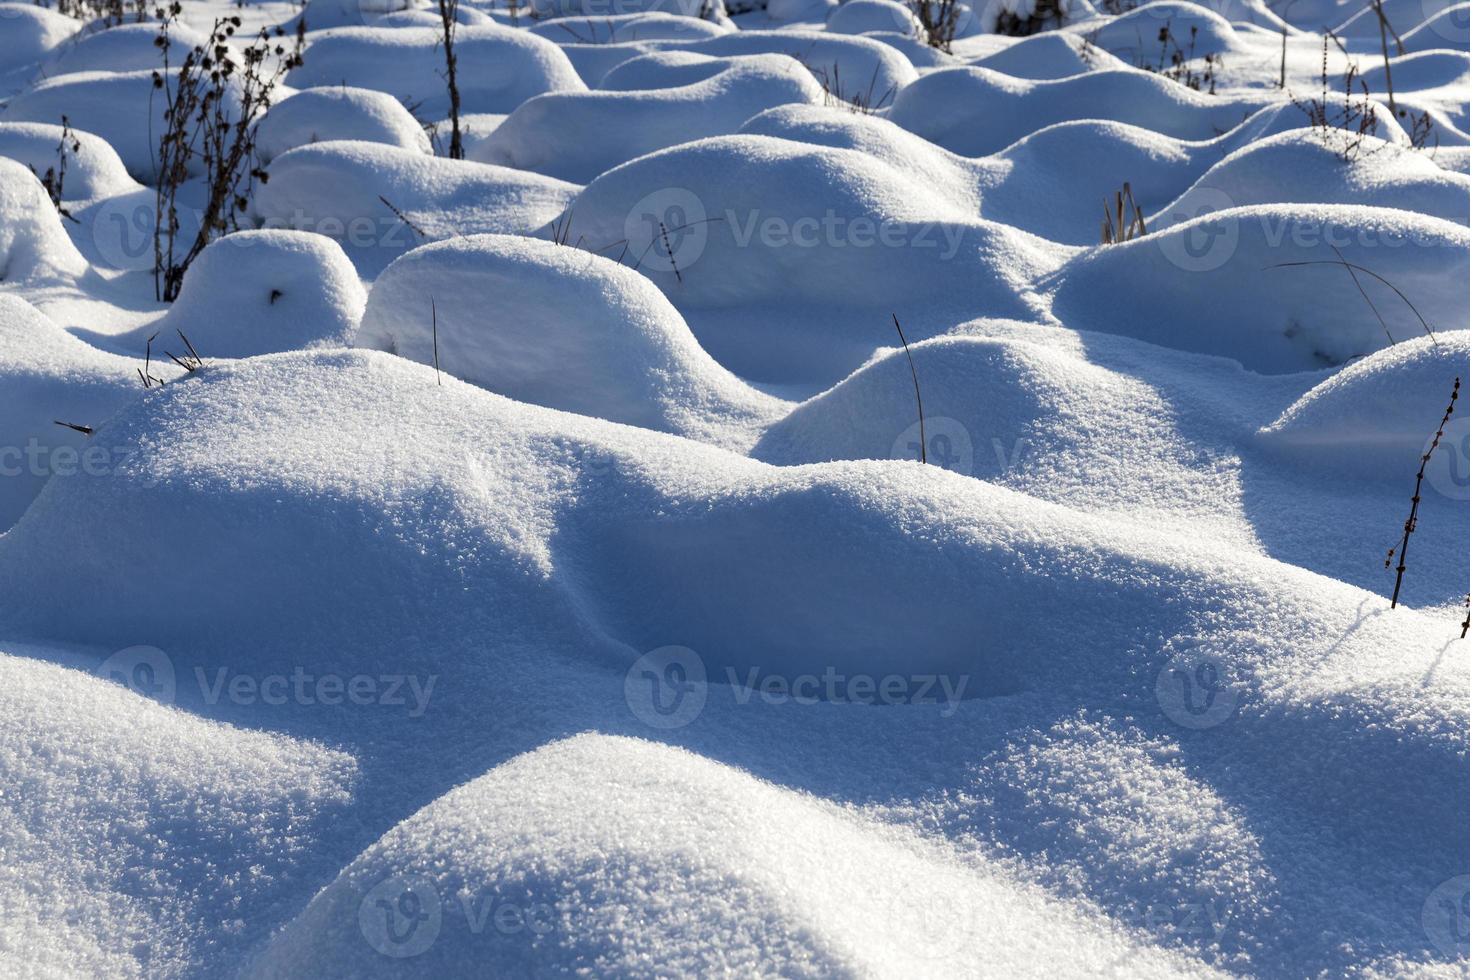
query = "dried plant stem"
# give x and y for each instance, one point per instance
(1413, 519)
(434, 318)
(919, 398)
(449, 20)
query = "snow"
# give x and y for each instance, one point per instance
(256, 292)
(568, 330)
(743, 517)
(34, 247)
(544, 134)
(349, 190)
(93, 170)
(501, 67)
(317, 115)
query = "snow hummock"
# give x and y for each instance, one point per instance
(791, 886)
(567, 329)
(499, 68)
(255, 292)
(93, 169)
(549, 134)
(379, 201)
(34, 247)
(338, 112)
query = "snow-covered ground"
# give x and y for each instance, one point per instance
(552, 559)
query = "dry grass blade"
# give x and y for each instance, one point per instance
(919, 398)
(1353, 267)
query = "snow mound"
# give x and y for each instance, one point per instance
(815, 11)
(862, 16)
(825, 242)
(323, 15)
(256, 292)
(339, 189)
(316, 115)
(955, 178)
(1445, 30)
(1048, 56)
(354, 477)
(623, 28)
(31, 33)
(594, 61)
(1377, 415)
(120, 107)
(1402, 15)
(566, 329)
(851, 67)
(554, 134)
(93, 169)
(1303, 167)
(792, 886)
(1194, 30)
(498, 68)
(973, 388)
(46, 374)
(429, 17)
(712, 11)
(34, 247)
(975, 111)
(1216, 284)
(130, 829)
(124, 47)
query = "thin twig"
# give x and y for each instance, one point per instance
(1351, 266)
(1413, 519)
(923, 441)
(403, 218)
(434, 316)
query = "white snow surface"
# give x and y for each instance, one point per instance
(742, 518)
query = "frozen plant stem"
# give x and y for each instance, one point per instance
(1413, 520)
(448, 19)
(434, 321)
(923, 442)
